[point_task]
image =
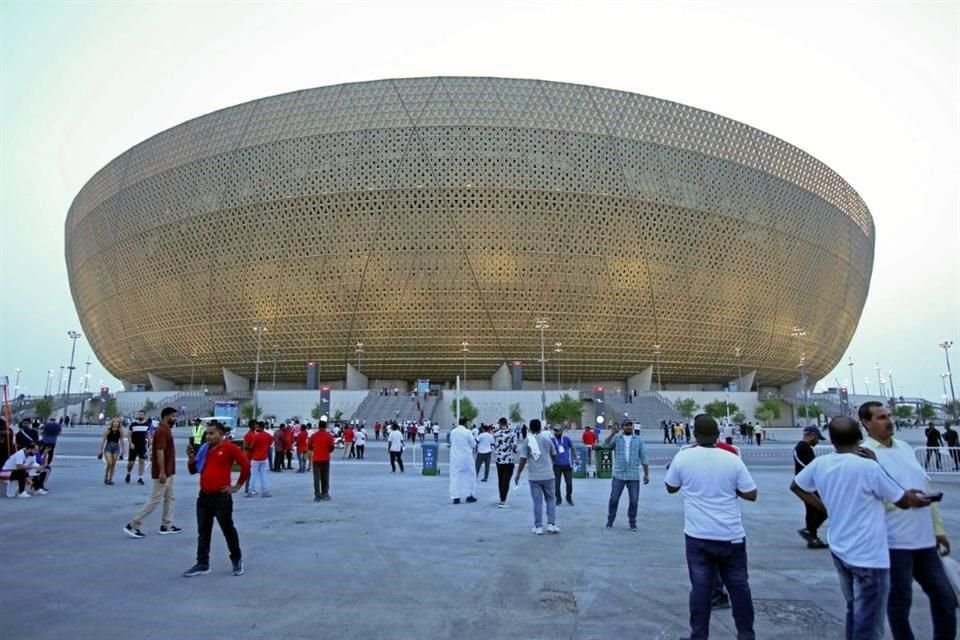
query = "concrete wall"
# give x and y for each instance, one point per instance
(300, 403)
(496, 404)
(747, 401)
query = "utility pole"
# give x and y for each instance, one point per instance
(542, 325)
(74, 336)
(259, 327)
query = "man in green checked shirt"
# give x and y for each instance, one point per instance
(629, 454)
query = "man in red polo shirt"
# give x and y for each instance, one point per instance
(589, 439)
(347, 441)
(301, 438)
(259, 459)
(321, 444)
(214, 462)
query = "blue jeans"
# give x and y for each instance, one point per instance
(704, 559)
(924, 566)
(865, 591)
(542, 491)
(258, 470)
(616, 490)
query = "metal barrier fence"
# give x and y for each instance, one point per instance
(936, 460)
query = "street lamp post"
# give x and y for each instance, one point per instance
(737, 352)
(86, 388)
(893, 394)
(193, 366)
(799, 332)
(62, 380)
(359, 351)
(464, 349)
(74, 336)
(853, 384)
(945, 345)
(276, 354)
(943, 381)
(258, 327)
(880, 380)
(543, 325)
(46, 393)
(866, 381)
(803, 382)
(16, 385)
(656, 353)
(558, 350)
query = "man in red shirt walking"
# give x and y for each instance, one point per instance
(347, 441)
(301, 438)
(214, 462)
(321, 444)
(589, 439)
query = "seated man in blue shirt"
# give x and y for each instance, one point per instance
(629, 454)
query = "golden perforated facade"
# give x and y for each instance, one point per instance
(412, 215)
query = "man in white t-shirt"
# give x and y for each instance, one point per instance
(20, 465)
(852, 488)
(711, 481)
(914, 536)
(484, 452)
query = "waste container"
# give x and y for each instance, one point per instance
(580, 468)
(429, 450)
(603, 459)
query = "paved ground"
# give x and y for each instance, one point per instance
(391, 558)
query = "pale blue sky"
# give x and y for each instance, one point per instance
(873, 90)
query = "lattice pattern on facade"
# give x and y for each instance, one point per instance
(415, 214)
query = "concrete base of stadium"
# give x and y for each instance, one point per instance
(391, 558)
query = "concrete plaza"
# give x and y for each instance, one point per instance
(391, 558)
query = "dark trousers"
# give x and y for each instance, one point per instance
(814, 518)
(359, 449)
(924, 566)
(504, 476)
(616, 490)
(567, 474)
(396, 458)
(219, 506)
(955, 456)
(704, 559)
(483, 460)
(936, 454)
(289, 454)
(321, 478)
(278, 460)
(20, 475)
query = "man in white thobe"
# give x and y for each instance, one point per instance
(463, 478)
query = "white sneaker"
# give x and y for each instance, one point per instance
(502, 505)
(24, 495)
(537, 531)
(552, 528)
(42, 492)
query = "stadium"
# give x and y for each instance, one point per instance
(407, 229)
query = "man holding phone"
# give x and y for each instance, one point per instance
(916, 538)
(214, 462)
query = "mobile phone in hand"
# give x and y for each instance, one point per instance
(932, 497)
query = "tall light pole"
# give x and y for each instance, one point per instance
(853, 384)
(737, 353)
(276, 354)
(945, 345)
(193, 366)
(542, 325)
(799, 332)
(893, 394)
(464, 349)
(879, 379)
(74, 336)
(656, 353)
(86, 387)
(803, 380)
(359, 351)
(866, 381)
(46, 393)
(558, 350)
(63, 379)
(258, 327)
(943, 381)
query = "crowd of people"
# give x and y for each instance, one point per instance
(885, 530)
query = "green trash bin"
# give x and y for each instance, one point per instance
(580, 469)
(430, 451)
(603, 459)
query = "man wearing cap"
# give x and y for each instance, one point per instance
(629, 454)
(803, 455)
(563, 464)
(711, 481)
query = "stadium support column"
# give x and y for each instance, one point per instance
(355, 379)
(642, 381)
